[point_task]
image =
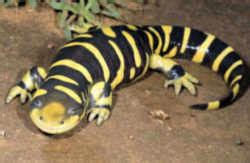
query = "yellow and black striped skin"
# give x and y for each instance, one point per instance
(124, 52)
(87, 69)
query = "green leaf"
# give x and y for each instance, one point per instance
(111, 11)
(89, 17)
(33, 3)
(68, 34)
(95, 6)
(57, 5)
(111, 1)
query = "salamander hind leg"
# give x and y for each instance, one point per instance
(174, 73)
(100, 102)
(31, 81)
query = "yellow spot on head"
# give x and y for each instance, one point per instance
(53, 112)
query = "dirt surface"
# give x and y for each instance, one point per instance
(131, 135)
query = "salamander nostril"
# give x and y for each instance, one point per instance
(41, 118)
(62, 122)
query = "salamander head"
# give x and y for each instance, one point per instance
(56, 113)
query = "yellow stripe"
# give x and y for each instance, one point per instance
(203, 49)
(42, 72)
(167, 30)
(83, 36)
(120, 73)
(132, 27)
(231, 68)
(220, 57)
(132, 73)
(27, 80)
(39, 92)
(132, 43)
(235, 80)
(158, 49)
(96, 52)
(235, 90)
(64, 79)
(69, 92)
(150, 39)
(108, 31)
(145, 68)
(73, 65)
(186, 36)
(213, 105)
(172, 53)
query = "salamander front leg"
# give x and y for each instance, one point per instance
(100, 102)
(31, 80)
(174, 73)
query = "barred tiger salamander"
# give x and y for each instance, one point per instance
(86, 71)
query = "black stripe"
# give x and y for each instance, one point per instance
(226, 101)
(126, 50)
(70, 73)
(22, 85)
(239, 70)
(155, 39)
(108, 53)
(176, 38)
(228, 61)
(103, 106)
(214, 50)
(195, 40)
(36, 77)
(51, 83)
(84, 57)
(175, 72)
(162, 36)
(142, 48)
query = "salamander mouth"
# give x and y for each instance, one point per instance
(53, 119)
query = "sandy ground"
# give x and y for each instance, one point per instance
(130, 135)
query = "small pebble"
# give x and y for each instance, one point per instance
(239, 142)
(51, 46)
(159, 114)
(2, 133)
(169, 128)
(148, 92)
(131, 137)
(192, 115)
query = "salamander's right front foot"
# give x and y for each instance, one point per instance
(31, 81)
(18, 91)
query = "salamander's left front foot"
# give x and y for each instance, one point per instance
(187, 81)
(101, 114)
